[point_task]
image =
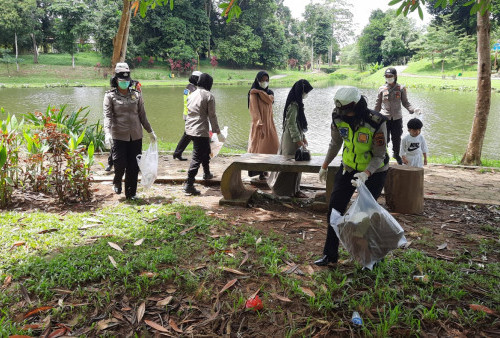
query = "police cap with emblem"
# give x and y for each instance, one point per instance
(122, 71)
(346, 97)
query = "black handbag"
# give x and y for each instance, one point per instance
(302, 154)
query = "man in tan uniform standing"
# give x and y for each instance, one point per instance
(389, 100)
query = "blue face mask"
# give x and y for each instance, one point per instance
(123, 84)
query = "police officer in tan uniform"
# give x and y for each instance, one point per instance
(389, 100)
(124, 118)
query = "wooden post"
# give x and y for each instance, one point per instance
(404, 189)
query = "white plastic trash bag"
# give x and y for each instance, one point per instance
(367, 231)
(148, 164)
(215, 145)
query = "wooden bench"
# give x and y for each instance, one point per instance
(236, 193)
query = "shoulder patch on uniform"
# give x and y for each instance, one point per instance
(379, 139)
(344, 132)
(186, 91)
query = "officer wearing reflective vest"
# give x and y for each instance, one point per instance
(364, 157)
(185, 139)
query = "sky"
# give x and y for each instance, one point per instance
(360, 9)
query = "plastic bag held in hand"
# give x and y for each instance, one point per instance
(217, 141)
(359, 178)
(152, 136)
(367, 231)
(417, 111)
(148, 164)
(322, 174)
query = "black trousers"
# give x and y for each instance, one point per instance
(394, 131)
(341, 195)
(181, 146)
(125, 162)
(201, 156)
(110, 157)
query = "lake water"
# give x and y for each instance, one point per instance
(447, 116)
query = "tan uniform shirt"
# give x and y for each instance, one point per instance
(201, 110)
(124, 115)
(389, 101)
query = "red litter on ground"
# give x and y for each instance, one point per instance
(254, 303)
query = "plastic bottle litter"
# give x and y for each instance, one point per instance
(421, 279)
(356, 319)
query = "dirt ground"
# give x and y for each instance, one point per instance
(460, 209)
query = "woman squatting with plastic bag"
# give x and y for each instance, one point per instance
(364, 158)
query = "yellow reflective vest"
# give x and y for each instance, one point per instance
(358, 144)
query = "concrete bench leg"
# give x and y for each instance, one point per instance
(232, 187)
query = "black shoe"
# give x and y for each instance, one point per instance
(324, 261)
(263, 176)
(190, 189)
(398, 159)
(208, 176)
(132, 198)
(180, 158)
(108, 168)
(117, 189)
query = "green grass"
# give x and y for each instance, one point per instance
(55, 70)
(67, 256)
(424, 67)
(455, 160)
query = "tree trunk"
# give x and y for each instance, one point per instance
(73, 60)
(17, 53)
(442, 66)
(472, 155)
(312, 56)
(121, 37)
(209, 12)
(404, 189)
(35, 49)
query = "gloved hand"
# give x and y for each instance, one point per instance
(417, 111)
(322, 174)
(221, 138)
(108, 140)
(360, 178)
(152, 136)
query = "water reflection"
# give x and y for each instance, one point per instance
(447, 116)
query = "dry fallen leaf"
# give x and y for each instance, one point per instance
(244, 259)
(228, 285)
(283, 299)
(140, 311)
(478, 307)
(112, 261)
(35, 311)
(258, 241)
(165, 301)
(115, 246)
(16, 244)
(148, 274)
(309, 270)
(308, 291)
(106, 323)
(171, 288)
(442, 246)
(178, 215)
(174, 325)
(185, 231)
(139, 242)
(47, 231)
(155, 326)
(7, 281)
(232, 270)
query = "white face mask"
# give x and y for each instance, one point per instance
(389, 80)
(263, 84)
(304, 96)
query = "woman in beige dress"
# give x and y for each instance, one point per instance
(263, 137)
(294, 128)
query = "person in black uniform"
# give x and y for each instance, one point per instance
(364, 157)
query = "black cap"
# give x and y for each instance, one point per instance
(391, 71)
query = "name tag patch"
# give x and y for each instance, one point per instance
(363, 138)
(379, 139)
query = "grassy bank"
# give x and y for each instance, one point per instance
(124, 267)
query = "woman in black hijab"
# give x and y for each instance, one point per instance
(263, 137)
(294, 128)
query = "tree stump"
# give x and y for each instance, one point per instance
(404, 189)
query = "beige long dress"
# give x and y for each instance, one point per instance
(263, 137)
